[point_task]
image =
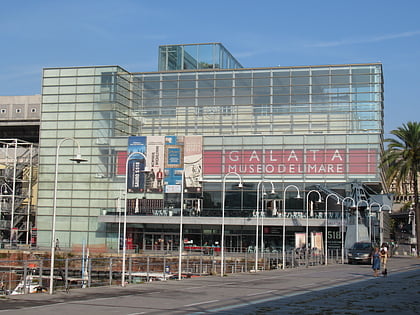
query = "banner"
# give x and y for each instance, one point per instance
(289, 162)
(136, 164)
(193, 163)
(155, 152)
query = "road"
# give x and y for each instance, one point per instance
(336, 288)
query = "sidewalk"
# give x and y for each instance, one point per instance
(359, 292)
(398, 293)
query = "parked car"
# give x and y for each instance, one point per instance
(360, 253)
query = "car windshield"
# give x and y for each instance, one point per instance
(362, 246)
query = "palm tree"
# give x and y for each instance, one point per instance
(401, 161)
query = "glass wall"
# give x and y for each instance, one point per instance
(88, 107)
(196, 56)
(301, 125)
(319, 100)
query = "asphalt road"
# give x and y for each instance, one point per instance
(332, 289)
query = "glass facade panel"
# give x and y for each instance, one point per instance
(272, 120)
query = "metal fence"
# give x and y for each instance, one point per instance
(32, 276)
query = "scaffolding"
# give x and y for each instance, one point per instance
(18, 173)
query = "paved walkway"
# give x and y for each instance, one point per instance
(332, 289)
(398, 293)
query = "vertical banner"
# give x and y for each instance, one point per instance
(173, 163)
(136, 164)
(193, 162)
(155, 162)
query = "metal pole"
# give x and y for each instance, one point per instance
(342, 226)
(256, 226)
(125, 213)
(181, 242)
(326, 224)
(222, 249)
(307, 222)
(284, 222)
(77, 159)
(262, 215)
(357, 218)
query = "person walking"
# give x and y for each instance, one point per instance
(384, 259)
(376, 262)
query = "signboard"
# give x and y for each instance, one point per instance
(290, 162)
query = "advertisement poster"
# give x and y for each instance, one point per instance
(136, 164)
(155, 162)
(193, 162)
(174, 156)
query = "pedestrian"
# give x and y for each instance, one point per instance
(384, 259)
(376, 262)
(57, 244)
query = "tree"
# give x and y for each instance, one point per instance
(401, 162)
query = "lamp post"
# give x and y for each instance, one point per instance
(78, 158)
(357, 217)
(125, 212)
(222, 250)
(342, 225)
(284, 222)
(381, 223)
(181, 241)
(262, 226)
(307, 221)
(370, 220)
(326, 223)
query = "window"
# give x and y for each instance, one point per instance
(33, 110)
(18, 110)
(3, 110)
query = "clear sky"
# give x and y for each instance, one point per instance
(35, 34)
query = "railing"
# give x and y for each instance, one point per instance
(31, 276)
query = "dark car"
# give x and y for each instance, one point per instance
(360, 253)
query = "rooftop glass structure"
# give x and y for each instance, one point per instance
(196, 56)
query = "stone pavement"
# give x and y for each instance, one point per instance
(398, 293)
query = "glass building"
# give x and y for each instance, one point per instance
(199, 126)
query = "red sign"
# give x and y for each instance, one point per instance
(289, 162)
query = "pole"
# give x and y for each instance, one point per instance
(307, 222)
(326, 224)
(125, 213)
(342, 226)
(256, 226)
(222, 250)
(284, 223)
(77, 159)
(357, 218)
(181, 241)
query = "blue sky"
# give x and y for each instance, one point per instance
(56, 33)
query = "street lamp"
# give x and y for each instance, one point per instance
(326, 223)
(357, 217)
(222, 250)
(342, 225)
(370, 220)
(262, 226)
(78, 158)
(381, 223)
(307, 220)
(284, 221)
(181, 241)
(125, 211)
